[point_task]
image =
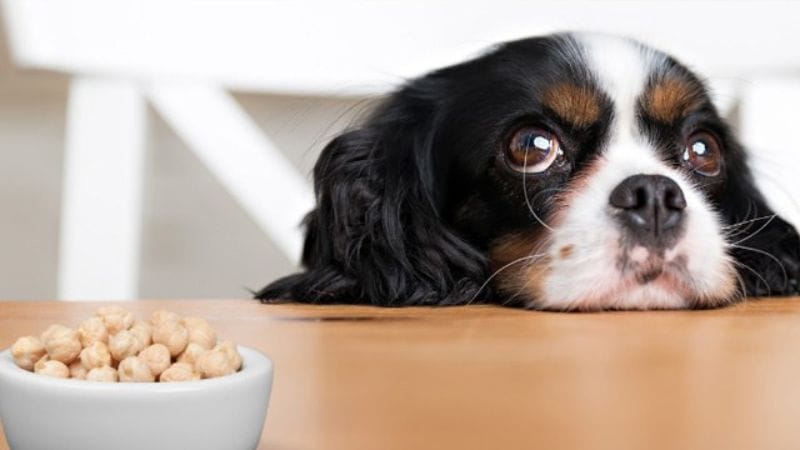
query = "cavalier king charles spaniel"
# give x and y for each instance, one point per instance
(565, 172)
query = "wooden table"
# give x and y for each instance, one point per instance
(486, 377)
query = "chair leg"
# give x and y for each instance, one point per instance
(241, 157)
(101, 205)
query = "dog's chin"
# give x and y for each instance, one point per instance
(656, 287)
(658, 294)
(654, 282)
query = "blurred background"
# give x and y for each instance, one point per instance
(162, 149)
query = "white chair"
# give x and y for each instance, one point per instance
(183, 57)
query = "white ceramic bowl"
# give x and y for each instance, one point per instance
(226, 413)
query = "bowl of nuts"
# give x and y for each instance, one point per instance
(121, 383)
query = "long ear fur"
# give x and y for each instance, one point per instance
(766, 247)
(376, 235)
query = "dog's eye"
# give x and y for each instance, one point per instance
(702, 154)
(532, 150)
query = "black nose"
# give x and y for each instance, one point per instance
(650, 206)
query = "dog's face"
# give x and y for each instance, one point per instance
(571, 172)
(599, 162)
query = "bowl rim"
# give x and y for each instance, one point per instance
(254, 365)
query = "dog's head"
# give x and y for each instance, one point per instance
(564, 172)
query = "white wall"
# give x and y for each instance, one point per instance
(32, 111)
(197, 243)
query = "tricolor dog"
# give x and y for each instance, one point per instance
(566, 172)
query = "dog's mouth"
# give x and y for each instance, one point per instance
(645, 266)
(650, 278)
(642, 283)
(661, 275)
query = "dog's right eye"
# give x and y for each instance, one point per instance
(532, 149)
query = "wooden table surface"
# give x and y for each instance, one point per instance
(486, 377)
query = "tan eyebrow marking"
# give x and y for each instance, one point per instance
(672, 98)
(579, 105)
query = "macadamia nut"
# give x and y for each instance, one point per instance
(51, 368)
(46, 333)
(200, 332)
(123, 345)
(115, 318)
(112, 346)
(62, 343)
(92, 330)
(179, 372)
(77, 371)
(162, 315)
(173, 335)
(214, 363)
(27, 350)
(95, 355)
(106, 374)
(156, 357)
(133, 369)
(233, 354)
(192, 352)
(143, 332)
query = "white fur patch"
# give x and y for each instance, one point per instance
(591, 277)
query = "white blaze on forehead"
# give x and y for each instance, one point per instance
(621, 68)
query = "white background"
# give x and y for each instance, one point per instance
(303, 71)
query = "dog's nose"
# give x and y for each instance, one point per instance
(650, 206)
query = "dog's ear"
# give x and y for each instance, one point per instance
(765, 247)
(376, 235)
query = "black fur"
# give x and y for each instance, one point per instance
(377, 234)
(409, 202)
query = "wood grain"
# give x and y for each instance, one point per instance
(486, 377)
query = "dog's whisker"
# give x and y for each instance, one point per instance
(498, 271)
(537, 251)
(769, 255)
(525, 193)
(746, 221)
(754, 272)
(751, 235)
(518, 293)
(742, 285)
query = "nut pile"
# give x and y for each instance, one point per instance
(113, 346)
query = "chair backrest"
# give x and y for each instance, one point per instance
(182, 56)
(352, 48)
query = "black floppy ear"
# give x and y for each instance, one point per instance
(766, 247)
(376, 235)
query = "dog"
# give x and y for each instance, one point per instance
(569, 172)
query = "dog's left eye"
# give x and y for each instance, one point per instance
(532, 150)
(702, 154)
